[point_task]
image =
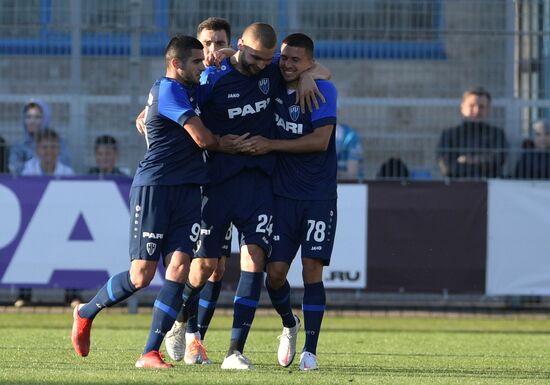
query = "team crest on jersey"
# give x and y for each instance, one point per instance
(151, 247)
(294, 112)
(263, 83)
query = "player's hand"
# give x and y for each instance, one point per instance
(140, 122)
(307, 93)
(232, 144)
(215, 58)
(256, 145)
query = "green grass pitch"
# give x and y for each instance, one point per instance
(35, 348)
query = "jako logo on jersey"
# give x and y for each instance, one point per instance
(264, 85)
(279, 100)
(314, 248)
(233, 96)
(152, 235)
(294, 112)
(151, 247)
(295, 128)
(248, 109)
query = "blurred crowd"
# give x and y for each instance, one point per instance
(42, 151)
(473, 149)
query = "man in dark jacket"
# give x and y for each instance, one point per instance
(473, 149)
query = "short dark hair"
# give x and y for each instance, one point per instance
(45, 134)
(106, 140)
(300, 40)
(264, 33)
(478, 91)
(215, 24)
(30, 105)
(180, 47)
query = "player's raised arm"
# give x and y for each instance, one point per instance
(307, 91)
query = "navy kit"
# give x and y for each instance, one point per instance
(165, 198)
(164, 219)
(240, 185)
(304, 184)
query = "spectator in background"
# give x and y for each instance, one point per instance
(36, 117)
(473, 149)
(349, 153)
(106, 155)
(535, 159)
(3, 156)
(393, 168)
(46, 161)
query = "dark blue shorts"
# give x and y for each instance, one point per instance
(309, 224)
(164, 219)
(246, 200)
(226, 245)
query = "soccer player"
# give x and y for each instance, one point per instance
(214, 33)
(165, 201)
(304, 184)
(238, 101)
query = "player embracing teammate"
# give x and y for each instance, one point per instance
(288, 167)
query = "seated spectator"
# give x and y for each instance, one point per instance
(535, 159)
(3, 156)
(349, 153)
(473, 149)
(36, 117)
(393, 168)
(106, 155)
(46, 161)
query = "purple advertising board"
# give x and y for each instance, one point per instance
(62, 232)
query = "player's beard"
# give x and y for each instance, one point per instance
(248, 69)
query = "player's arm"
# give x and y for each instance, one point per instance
(215, 58)
(308, 92)
(206, 140)
(317, 141)
(140, 122)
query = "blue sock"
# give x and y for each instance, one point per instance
(245, 303)
(165, 311)
(207, 305)
(313, 308)
(117, 289)
(280, 298)
(190, 298)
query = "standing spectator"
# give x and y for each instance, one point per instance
(106, 155)
(46, 161)
(36, 117)
(349, 152)
(473, 149)
(535, 159)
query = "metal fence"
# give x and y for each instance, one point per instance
(400, 66)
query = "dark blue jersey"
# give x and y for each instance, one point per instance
(233, 103)
(312, 175)
(173, 157)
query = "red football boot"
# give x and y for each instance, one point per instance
(80, 335)
(152, 360)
